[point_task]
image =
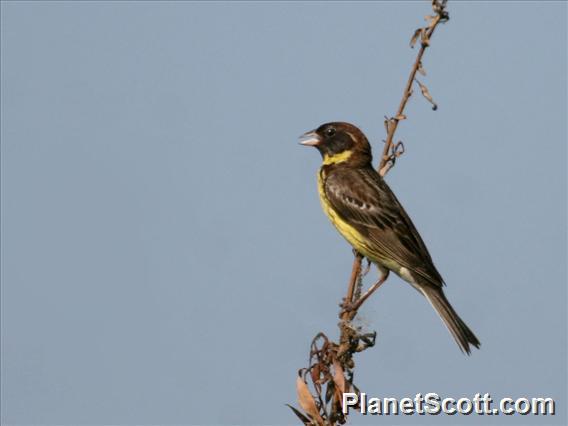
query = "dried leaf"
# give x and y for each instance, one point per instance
(427, 95)
(339, 380)
(398, 150)
(415, 36)
(421, 69)
(439, 8)
(338, 376)
(400, 117)
(329, 391)
(306, 400)
(298, 413)
(315, 373)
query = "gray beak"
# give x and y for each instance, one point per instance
(310, 138)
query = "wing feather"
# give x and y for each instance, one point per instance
(364, 200)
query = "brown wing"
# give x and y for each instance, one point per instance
(363, 199)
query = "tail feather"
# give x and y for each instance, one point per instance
(462, 334)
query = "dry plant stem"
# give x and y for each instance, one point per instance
(355, 272)
(385, 165)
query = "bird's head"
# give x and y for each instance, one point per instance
(339, 143)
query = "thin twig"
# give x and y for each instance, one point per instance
(386, 159)
(355, 274)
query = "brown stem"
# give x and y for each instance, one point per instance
(346, 335)
(393, 122)
(355, 272)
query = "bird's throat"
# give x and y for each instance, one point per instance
(337, 158)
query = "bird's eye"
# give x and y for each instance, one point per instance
(330, 131)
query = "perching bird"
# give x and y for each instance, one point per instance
(367, 214)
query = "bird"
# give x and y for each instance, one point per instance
(365, 211)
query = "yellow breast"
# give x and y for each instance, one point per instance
(348, 232)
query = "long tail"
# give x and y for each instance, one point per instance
(463, 336)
